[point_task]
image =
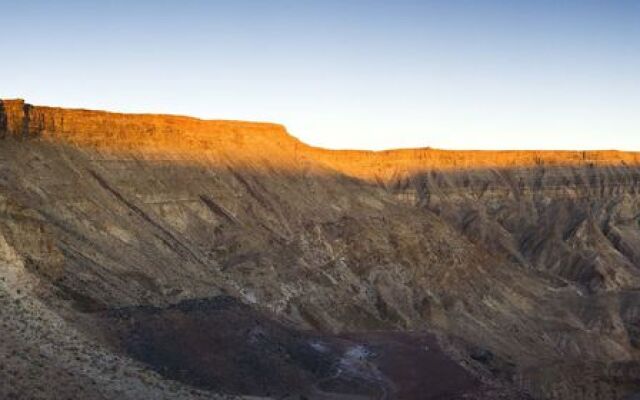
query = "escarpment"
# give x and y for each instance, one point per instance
(152, 135)
(325, 274)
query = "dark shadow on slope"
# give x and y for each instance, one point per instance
(223, 345)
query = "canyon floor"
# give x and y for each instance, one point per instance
(167, 257)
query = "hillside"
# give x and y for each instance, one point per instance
(171, 257)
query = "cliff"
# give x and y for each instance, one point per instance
(195, 139)
(252, 263)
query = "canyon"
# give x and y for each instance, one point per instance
(168, 257)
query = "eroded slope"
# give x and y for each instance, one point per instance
(523, 264)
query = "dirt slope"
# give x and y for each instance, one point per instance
(523, 265)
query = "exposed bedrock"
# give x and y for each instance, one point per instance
(521, 268)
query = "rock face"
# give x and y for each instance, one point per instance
(523, 265)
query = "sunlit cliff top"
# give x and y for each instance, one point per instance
(154, 135)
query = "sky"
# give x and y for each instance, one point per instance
(457, 74)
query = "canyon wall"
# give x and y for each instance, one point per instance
(194, 138)
(523, 264)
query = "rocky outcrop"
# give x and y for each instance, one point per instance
(519, 262)
(14, 117)
(188, 138)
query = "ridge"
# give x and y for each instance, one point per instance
(160, 134)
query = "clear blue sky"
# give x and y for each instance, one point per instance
(344, 73)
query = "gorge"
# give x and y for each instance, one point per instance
(160, 256)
